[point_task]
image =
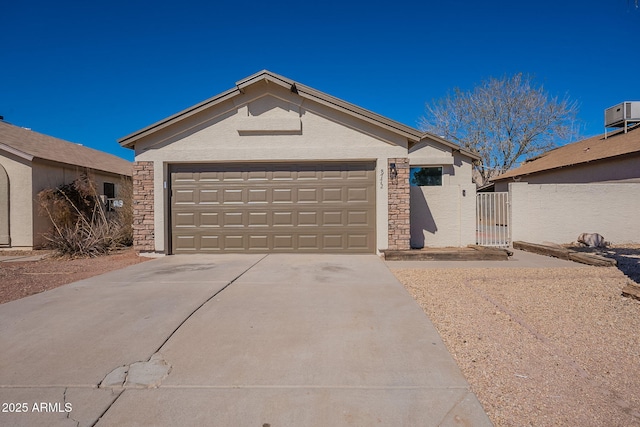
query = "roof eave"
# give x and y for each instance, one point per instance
(362, 113)
(129, 140)
(302, 90)
(16, 152)
(452, 145)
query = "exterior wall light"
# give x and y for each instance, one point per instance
(393, 171)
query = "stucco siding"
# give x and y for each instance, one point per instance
(270, 123)
(619, 169)
(20, 204)
(442, 216)
(324, 135)
(560, 212)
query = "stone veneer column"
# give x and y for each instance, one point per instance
(399, 225)
(143, 226)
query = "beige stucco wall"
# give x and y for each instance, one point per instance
(443, 216)
(20, 205)
(560, 212)
(619, 169)
(52, 175)
(273, 124)
(320, 134)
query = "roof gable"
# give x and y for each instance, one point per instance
(306, 92)
(31, 145)
(588, 150)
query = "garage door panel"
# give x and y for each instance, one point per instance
(185, 219)
(331, 195)
(332, 218)
(234, 242)
(357, 174)
(233, 219)
(283, 219)
(333, 241)
(273, 207)
(258, 195)
(308, 242)
(259, 174)
(210, 243)
(187, 242)
(283, 242)
(185, 197)
(358, 241)
(308, 175)
(208, 196)
(204, 177)
(283, 175)
(232, 175)
(233, 196)
(358, 194)
(358, 218)
(282, 195)
(308, 195)
(308, 219)
(209, 219)
(258, 219)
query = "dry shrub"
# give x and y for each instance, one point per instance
(81, 224)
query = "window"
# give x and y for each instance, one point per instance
(426, 177)
(109, 190)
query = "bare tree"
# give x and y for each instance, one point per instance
(504, 120)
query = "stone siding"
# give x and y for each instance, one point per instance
(143, 221)
(399, 206)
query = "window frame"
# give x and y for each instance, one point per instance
(412, 170)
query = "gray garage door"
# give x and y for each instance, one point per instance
(328, 207)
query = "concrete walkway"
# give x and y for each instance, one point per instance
(520, 259)
(242, 340)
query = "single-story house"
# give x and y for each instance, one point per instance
(615, 158)
(31, 162)
(272, 165)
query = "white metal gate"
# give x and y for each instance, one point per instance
(492, 219)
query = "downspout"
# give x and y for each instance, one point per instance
(5, 237)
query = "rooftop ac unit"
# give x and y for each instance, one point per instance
(620, 115)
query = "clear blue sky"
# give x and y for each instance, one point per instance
(94, 71)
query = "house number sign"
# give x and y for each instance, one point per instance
(381, 178)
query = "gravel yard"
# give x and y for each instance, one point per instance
(539, 346)
(21, 279)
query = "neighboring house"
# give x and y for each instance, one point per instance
(31, 162)
(591, 186)
(272, 165)
(615, 158)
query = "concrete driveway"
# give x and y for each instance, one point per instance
(242, 340)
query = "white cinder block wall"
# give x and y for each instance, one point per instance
(558, 213)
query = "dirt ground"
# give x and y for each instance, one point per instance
(21, 279)
(540, 347)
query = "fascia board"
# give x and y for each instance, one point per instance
(16, 152)
(449, 144)
(265, 75)
(353, 110)
(130, 139)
